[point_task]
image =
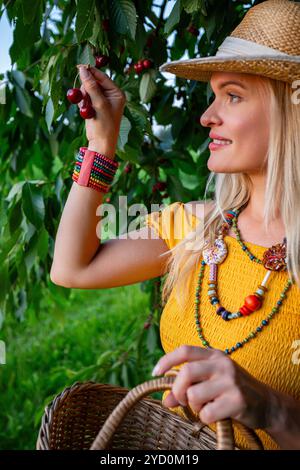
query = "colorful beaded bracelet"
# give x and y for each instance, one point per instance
(94, 170)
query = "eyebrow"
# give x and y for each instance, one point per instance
(232, 82)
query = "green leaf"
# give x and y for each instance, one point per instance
(123, 17)
(210, 28)
(43, 244)
(23, 102)
(25, 36)
(84, 19)
(86, 56)
(49, 114)
(124, 131)
(31, 252)
(147, 86)
(19, 78)
(189, 181)
(191, 5)
(173, 18)
(33, 204)
(151, 339)
(138, 114)
(15, 190)
(188, 167)
(15, 217)
(29, 13)
(4, 281)
(95, 36)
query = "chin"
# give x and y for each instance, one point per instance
(219, 164)
(219, 168)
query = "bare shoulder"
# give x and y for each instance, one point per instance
(199, 208)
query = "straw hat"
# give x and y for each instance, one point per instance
(266, 42)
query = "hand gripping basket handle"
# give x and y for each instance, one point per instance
(225, 438)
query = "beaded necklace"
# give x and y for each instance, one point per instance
(274, 259)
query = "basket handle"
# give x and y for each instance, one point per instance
(225, 437)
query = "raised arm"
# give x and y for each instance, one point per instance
(80, 259)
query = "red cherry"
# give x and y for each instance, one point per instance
(87, 112)
(154, 188)
(74, 95)
(161, 185)
(138, 67)
(147, 63)
(193, 30)
(107, 199)
(101, 61)
(128, 168)
(105, 24)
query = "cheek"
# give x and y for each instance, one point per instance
(250, 136)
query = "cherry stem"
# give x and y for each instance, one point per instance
(75, 80)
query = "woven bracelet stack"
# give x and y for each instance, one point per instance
(94, 170)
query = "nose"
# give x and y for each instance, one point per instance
(210, 117)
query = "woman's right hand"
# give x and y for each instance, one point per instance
(108, 102)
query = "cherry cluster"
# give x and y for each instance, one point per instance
(75, 96)
(160, 186)
(142, 64)
(87, 111)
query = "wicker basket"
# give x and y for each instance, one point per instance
(97, 416)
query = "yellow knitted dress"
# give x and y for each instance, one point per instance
(270, 356)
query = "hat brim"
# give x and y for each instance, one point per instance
(285, 69)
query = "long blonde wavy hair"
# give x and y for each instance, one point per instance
(234, 190)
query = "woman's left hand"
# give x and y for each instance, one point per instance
(216, 387)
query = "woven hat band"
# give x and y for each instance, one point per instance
(233, 46)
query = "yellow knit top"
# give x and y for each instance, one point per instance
(270, 357)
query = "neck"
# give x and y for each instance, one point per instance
(256, 204)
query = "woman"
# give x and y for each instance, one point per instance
(231, 343)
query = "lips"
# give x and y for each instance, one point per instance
(218, 146)
(212, 135)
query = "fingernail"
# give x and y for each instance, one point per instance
(183, 402)
(84, 73)
(156, 371)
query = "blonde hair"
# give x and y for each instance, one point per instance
(233, 191)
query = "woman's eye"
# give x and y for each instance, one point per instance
(212, 98)
(232, 95)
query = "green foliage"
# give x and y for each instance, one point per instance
(97, 335)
